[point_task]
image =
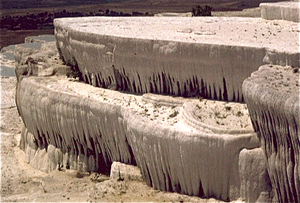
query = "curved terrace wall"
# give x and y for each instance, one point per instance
(83, 128)
(184, 57)
(75, 125)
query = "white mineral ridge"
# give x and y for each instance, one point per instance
(175, 56)
(289, 10)
(272, 97)
(91, 126)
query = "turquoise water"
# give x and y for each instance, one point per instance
(7, 71)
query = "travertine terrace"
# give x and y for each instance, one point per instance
(175, 56)
(281, 11)
(272, 95)
(144, 101)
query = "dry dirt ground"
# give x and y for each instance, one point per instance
(22, 183)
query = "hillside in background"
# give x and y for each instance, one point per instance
(153, 6)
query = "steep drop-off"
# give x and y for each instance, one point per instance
(272, 96)
(208, 57)
(83, 127)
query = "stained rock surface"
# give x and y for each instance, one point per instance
(175, 57)
(272, 96)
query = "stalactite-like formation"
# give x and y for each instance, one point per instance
(86, 133)
(69, 126)
(145, 65)
(272, 96)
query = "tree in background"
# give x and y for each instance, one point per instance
(200, 11)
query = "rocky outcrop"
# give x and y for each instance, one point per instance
(272, 96)
(139, 55)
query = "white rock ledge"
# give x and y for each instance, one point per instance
(79, 126)
(272, 97)
(281, 11)
(175, 56)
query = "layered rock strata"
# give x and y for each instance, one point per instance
(175, 56)
(86, 128)
(272, 96)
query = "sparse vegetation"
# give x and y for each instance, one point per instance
(239, 114)
(200, 117)
(217, 114)
(174, 114)
(228, 108)
(219, 123)
(202, 11)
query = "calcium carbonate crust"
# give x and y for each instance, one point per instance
(180, 58)
(272, 97)
(89, 131)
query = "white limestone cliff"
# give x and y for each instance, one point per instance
(272, 96)
(182, 57)
(73, 126)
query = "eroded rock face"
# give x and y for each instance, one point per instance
(272, 96)
(158, 55)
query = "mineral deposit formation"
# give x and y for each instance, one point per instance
(209, 57)
(272, 96)
(161, 93)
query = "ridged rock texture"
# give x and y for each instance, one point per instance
(80, 128)
(208, 57)
(272, 96)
